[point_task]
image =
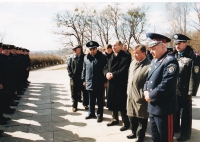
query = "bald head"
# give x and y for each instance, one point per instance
(117, 46)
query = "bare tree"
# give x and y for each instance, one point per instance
(133, 25)
(196, 20)
(103, 26)
(115, 16)
(73, 25)
(177, 15)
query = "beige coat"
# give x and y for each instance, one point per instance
(136, 104)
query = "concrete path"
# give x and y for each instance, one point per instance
(44, 114)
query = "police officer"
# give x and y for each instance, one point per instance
(160, 89)
(74, 68)
(94, 80)
(187, 85)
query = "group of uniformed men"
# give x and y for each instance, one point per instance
(14, 72)
(156, 84)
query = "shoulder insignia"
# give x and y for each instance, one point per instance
(196, 69)
(171, 68)
(169, 58)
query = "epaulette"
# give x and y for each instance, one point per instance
(169, 57)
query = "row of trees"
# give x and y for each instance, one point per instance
(84, 24)
(128, 25)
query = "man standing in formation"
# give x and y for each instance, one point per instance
(187, 86)
(14, 70)
(94, 80)
(116, 72)
(160, 89)
(75, 67)
(136, 104)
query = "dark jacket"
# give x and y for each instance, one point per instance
(74, 68)
(108, 55)
(149, 55)
(117, 86)
(92, 73)
(161, 85)
(188, 80)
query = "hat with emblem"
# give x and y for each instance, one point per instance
(155, 39)
(6, 46)
(92, 44)
(170, 49)
(77, 46)
(180, 38)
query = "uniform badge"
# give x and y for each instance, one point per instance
(171, 68)
(196, 69)
(91, 43)
(175, 36)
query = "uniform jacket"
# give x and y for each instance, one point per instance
(149, 55)
(188, 80)
(161, 85)
(74, 68)
(136, 104)
(117, 86)
(92, 73)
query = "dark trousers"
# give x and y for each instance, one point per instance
(125, 119)
(93, 96)
(184, 107)
(142, 123)
(75, 91)
(161, 128)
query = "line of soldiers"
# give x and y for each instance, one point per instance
(172, 79)
(14, 72)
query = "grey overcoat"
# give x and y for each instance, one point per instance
(136, 104)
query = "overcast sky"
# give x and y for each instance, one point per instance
(30, 24)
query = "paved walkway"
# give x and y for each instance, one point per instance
(44, 114)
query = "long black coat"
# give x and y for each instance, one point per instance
(117, 86)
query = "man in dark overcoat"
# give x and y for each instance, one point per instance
(94, 79)
(116, 72)
(187, 85)
(160, 89)
(74, 68)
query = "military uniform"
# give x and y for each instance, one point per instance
(187, 86)
(161, 87)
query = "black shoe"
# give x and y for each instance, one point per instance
(112, 123)
(28, 81)
(139, 140)
(90, 116)
(86, 107)
(131, 136)
(124, 128)
(99, 119)
(5, 118)
(9, 111)
(3, 122)
(183, 138)
(80, 101)
(13, 104)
